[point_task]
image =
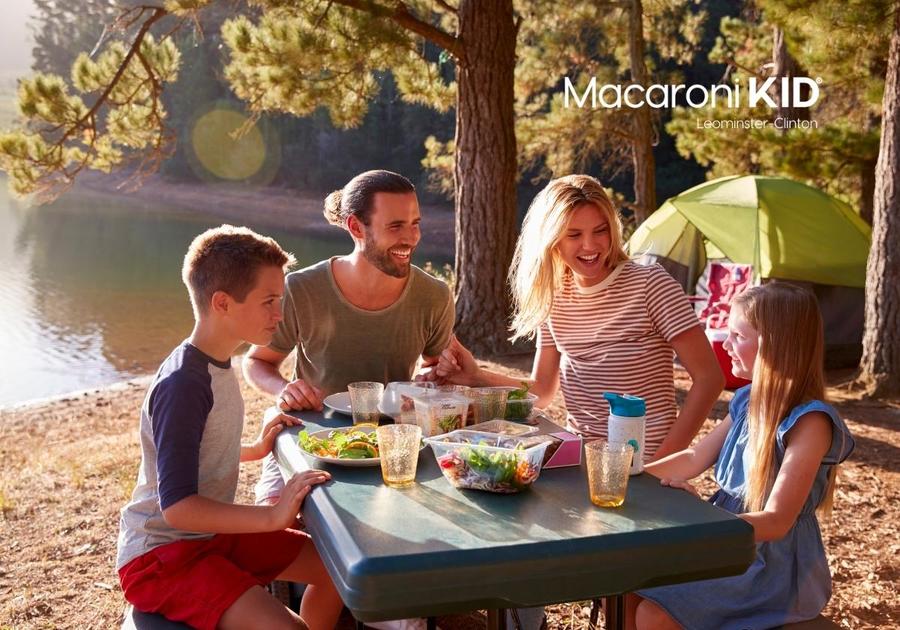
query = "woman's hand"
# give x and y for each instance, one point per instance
(681, 484)
(457, 365)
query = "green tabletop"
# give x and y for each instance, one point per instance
(432, 549)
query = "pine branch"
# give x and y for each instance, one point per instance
(51, 184)
(447, 6)
(158, 14)
(403, 17)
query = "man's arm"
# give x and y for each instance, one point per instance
(261, 369)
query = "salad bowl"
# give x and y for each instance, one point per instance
(488, 461)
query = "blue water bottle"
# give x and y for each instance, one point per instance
(628, 425)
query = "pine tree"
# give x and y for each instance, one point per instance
(880, 365)
(295, 58)
(612, 43)
(842, 44)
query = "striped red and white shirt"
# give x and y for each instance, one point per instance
(616, 337)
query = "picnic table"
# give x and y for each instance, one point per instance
(433, 549)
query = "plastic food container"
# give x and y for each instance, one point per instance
(487, 461)
(488, 403)
(440, 412)
(462, 390)
(503, 426)
(391, 401)
(519, 410)
(405, 392)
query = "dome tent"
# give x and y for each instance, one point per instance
(785, 229)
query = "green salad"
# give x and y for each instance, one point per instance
(518, 406)
(341, 444)
(473, 466)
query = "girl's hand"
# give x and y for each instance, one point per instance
(681, 484)
(284, 513)
(457, 365)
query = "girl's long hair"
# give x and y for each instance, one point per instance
(788, 371)
(537, 270)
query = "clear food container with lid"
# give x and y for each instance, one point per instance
(487, 461)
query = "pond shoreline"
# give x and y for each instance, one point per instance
(89, 264)
(274, 207)
(114, 387)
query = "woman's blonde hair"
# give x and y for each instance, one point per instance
(788, 371)
(537, 270)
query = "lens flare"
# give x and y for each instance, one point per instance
(228, 145)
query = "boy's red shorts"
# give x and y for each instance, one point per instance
(196, 581)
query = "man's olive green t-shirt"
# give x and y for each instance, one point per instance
(338, 343)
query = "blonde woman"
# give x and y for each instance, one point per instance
(776, 455)
(603, 323)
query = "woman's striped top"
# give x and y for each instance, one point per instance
(615, 337)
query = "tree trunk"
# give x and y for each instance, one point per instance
(643, 162)
(867, 190)
(785, 66)
(485, 173)
(880, 365)
(867, 176)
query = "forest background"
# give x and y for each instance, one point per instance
(399, 71)
(372, 95)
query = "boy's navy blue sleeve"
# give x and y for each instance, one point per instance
(178, 411)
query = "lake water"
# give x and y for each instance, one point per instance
(91, 292)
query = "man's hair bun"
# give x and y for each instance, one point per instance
(333, 209)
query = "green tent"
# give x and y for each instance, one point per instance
(784, 229)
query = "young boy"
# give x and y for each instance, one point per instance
(185, 550)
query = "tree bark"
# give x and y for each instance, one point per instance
(785, 66)
(867, 176)
(485, 173)
(867, 190)
(643, 162)
(880, 365)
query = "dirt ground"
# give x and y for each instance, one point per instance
(68, 465)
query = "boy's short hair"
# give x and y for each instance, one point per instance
(227, 259)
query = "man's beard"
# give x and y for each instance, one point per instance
(382, 260)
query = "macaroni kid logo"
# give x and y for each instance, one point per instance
(795, 92)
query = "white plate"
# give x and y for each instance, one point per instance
(339, 402)
(357, 463)
(371, 461)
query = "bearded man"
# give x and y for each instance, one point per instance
(368, 316)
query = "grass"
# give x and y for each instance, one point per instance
(6, 506)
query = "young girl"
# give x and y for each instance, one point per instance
(776, 455)
(603, 323)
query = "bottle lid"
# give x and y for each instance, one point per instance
(626, 405)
